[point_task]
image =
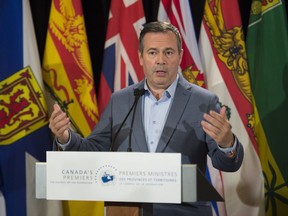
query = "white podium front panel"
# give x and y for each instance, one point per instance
(114, 176)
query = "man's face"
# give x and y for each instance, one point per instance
(160, 59)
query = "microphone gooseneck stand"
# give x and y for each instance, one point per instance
(137, 94)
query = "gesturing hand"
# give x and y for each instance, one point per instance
(218, 128)
(59, 124)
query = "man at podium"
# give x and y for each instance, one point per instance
(162, 113)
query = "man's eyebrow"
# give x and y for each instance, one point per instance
(157, 49)
(169, 48)
(152, 48)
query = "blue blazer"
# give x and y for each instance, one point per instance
(182, 133)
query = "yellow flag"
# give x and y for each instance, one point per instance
(68, 76)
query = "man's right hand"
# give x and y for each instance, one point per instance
(59, 124)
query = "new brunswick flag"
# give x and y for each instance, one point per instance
(267, 48)
(68, 76)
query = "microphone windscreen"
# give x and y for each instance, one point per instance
(139, 92)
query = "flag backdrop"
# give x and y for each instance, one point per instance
(267, 48)
(121, 65)
(24, 133)
(179, 14)
(223, 54)
(67, 73)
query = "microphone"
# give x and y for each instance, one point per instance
(137, 94)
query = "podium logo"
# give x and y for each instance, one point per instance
(106, 175)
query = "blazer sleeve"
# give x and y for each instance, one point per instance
(98, 140)
(219, 159)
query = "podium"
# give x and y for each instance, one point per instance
(122, 179)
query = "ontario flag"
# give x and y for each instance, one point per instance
(223, 53)
(179, 14)
(68, 76)
(24, 133)
(121, 66)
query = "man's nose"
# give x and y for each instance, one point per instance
(161, 59)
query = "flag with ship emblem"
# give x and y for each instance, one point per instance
(121, 65)
(223, 54)
(267, 49)
(24, 133)
(67, 73)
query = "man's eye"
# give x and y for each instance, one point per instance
(169, 53)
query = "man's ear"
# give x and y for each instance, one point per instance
(140, 58)
(181, 55)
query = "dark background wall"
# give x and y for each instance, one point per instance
(96, 15)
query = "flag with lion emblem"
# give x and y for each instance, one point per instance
(179, 13)
(24, 133)
(223, 53)
(68, 77)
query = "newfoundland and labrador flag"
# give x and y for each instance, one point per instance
(223, 54)
(24, 133)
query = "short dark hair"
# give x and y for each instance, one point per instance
(159, 27)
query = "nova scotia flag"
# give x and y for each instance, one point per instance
(24, 133)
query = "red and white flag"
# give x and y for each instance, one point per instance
(179, 14)
(121, 66)
(223, 54)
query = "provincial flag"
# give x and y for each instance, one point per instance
(267, 50)
(24, 133)
(67, 73)
(179, 14)
(223, 54)
(121, 66)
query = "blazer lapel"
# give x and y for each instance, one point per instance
(178, 105)
(138, 135)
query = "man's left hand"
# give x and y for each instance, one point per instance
(218, 128)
